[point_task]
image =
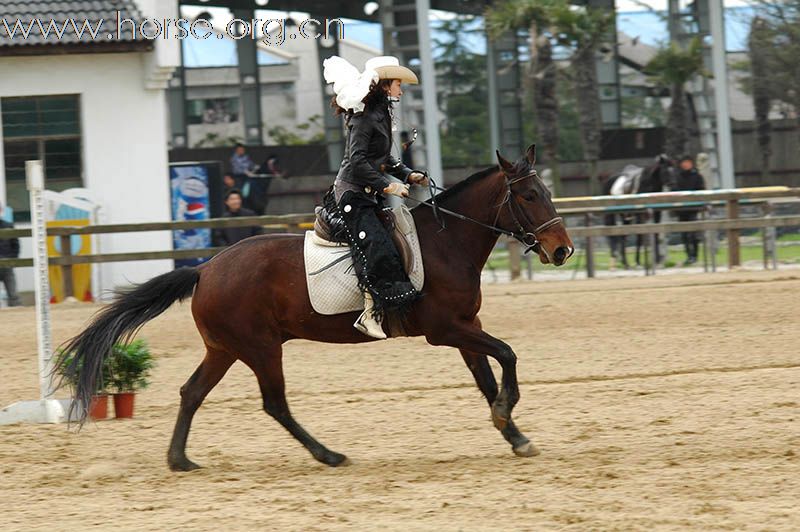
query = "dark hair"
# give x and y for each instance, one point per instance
(377, 94)
(238, 145)
(231, 192)
(686, 157)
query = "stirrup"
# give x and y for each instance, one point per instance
(366, 324)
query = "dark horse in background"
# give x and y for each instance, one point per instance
(657, 177)
(252, 297)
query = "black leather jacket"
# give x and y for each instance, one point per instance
(689, 180)
(367, 153)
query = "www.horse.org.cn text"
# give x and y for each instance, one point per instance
(272, 31)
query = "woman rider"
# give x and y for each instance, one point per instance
(366, 100)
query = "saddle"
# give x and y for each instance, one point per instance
(332, 284)
(329, 228)
(628, 181)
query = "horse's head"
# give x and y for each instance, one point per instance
(530, 213)
(664, 174)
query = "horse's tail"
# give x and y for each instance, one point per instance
(81, 359)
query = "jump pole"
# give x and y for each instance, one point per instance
(46, 409)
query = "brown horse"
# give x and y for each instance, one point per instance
(252, 297)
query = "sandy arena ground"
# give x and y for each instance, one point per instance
(658, 403)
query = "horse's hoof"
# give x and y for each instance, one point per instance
(183, 465)
(334, 459)
(526, 449)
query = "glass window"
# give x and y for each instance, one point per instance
(46, 128)
(213, 110)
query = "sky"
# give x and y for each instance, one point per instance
(633, 19)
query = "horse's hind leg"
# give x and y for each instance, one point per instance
(205, 377)
(484, 378)
(268, 368)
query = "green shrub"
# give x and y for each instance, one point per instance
(101, 386)
(129, 366)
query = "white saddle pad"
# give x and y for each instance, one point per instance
(628, 181)
(333, 289)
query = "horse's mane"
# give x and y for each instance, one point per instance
(463, 184)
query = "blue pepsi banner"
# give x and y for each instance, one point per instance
(193, 187)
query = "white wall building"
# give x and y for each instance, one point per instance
(95, 113)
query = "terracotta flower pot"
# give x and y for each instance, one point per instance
(123, 404)
(98, 407)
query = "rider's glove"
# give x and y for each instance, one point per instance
(397, 189)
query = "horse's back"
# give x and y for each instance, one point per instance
(251, 283)
(258, 245)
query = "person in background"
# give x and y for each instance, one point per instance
(272, 166)
(241, 164)
(229, 183)
(9, 249)
(689, 179)
(258, 198)
(227, 236)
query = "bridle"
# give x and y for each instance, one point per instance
(530, 239)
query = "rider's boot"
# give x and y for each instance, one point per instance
(366, 323)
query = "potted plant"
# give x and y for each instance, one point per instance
(129, 369)
(98, 407)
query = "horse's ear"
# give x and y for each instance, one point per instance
(504, 164)
(531, 154)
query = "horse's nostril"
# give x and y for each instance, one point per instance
(561, 253)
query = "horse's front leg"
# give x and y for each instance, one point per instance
(484, 377)
(470, 337)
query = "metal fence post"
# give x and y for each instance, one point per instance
(589, 249)
(768, 240)
(529, 266)
(653, 243)
(765, 240)
(514, 258)
(734, 256)
(66, 269)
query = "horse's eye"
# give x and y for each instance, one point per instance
(529, 195)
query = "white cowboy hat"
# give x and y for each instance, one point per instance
(388, 67)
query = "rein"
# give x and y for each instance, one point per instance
(528, 238)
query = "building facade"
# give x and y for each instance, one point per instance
(94, 111)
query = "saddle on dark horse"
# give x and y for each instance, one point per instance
(331, 276)
(331, 228)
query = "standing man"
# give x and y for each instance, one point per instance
(227, 236)
(9, 249)
(689, 179)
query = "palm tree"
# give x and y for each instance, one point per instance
(673, 67)
(759, 43)
(782, 21)
(584, 29)
(461, 78)
(534, 16)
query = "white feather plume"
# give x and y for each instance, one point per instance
(349, 84)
